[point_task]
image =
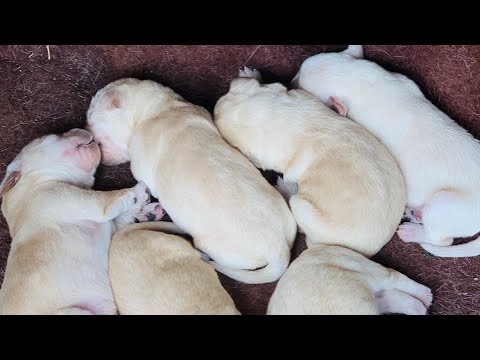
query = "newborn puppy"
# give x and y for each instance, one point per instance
(208, 188)
(439, 159)
(61, 230)
(332, 280)
(347, 188)
(154, 272)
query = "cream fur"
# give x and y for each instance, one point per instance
(439, 159)
(208, 188)
(154, 272)
(61, 230)
(332, 280)
(350, 189)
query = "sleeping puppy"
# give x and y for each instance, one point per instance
(439, 159)
(210, 190)
(61, 230)
(344, 186)
(153, 271)
(333, 280)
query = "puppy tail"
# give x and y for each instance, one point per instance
(355, 51)
(469, 249)
(270, 273)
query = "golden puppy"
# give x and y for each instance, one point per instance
(61, 230)
(154, 272)
(333, 280)
(209, 189)
(350, 189)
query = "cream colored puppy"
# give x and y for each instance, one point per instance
(209, 189)
(61, 230)
(333, 280)
(153, 271)
(350, 189)
(439, 159)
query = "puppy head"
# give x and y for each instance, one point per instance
(114, 113)
(72, 156)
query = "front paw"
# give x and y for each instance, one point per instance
(151, 212)
(139, 196)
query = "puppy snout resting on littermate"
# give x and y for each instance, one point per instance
(209, 189)
(61, 230)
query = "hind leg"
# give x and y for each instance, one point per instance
(403, 283)
(446, 216)
(382, 280)
(308, 222)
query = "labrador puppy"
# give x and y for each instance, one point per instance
(333, 280)
(210, 190)
(155, 271)
(61, 230)
(439, 159)
(347, 188)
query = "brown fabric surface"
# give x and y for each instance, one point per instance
(40, 96)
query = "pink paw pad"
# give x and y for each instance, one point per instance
(150, 212)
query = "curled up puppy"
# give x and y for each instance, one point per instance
(343, 185)
(439, 159)
(209, 189)
(155, 271)
(333, 280)
(61, 230)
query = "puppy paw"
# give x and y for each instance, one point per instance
(424, 294)
(247, 72)
(410, 232)
(398, 302)
(139, 196)
(413, 215)
(416, 308)
(150, 212)
(286, 189)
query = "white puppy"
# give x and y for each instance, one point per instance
(332, 280)
(208, 188)
(439, 159)
(154, 271)
(350, 189)
(58, 262)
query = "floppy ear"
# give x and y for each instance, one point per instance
(355, 51)
(114, 100)
(11, 178)
(337, 105)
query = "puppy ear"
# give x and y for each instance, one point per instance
(12, 176)
(114, 100)
(355, 51)
(337, 105)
